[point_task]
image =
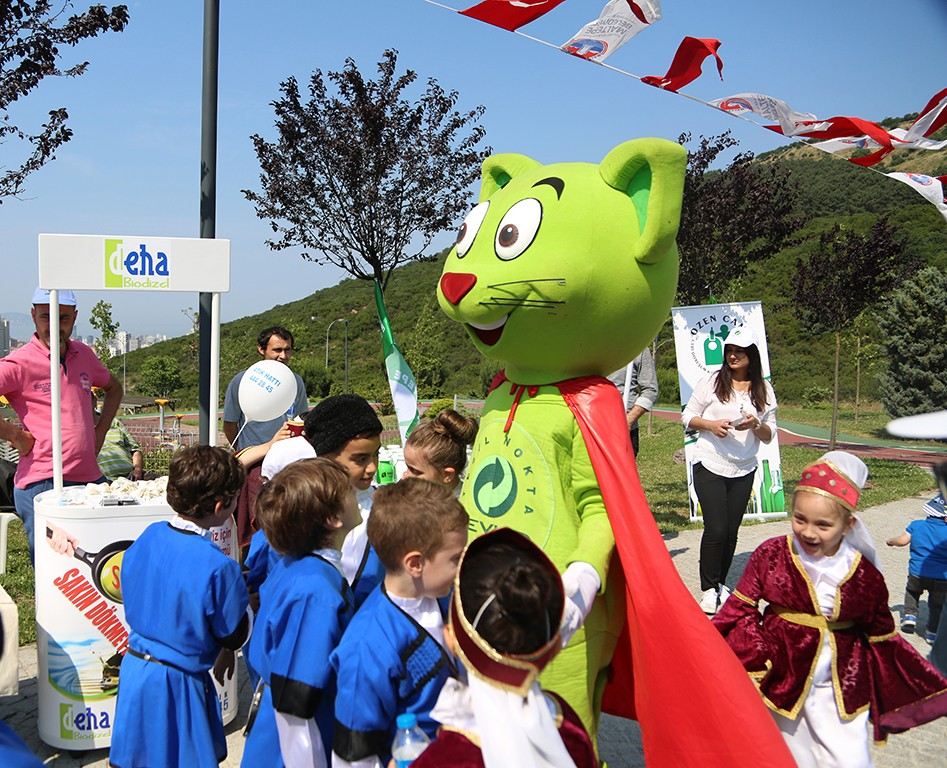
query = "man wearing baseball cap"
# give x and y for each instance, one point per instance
(24, 381)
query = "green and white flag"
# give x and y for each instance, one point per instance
(404, 390)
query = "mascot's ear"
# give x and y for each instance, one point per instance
(499, 169)
(651, 172)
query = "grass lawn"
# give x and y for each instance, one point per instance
(663, 480)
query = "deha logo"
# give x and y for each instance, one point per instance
(77, 722)
(135, 269)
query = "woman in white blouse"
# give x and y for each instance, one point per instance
(733, 410)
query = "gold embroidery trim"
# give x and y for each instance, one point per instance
(748, 600)
(882, 638)
(808, 620)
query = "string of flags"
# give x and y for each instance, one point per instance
(621, 20)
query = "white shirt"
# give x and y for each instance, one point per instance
(826, 573)
(356, 540)
(735, 454)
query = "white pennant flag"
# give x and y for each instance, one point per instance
(771, 108)
(619, 21)
(928, 187)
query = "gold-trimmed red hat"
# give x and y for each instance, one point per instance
(512, 672)
(838, 475)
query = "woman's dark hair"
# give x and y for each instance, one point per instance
(526, 607)
(444, 439)
(723, 386)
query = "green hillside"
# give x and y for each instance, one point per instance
(831, 191)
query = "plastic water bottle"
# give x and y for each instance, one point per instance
(410, 740)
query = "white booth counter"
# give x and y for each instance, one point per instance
(81, 633)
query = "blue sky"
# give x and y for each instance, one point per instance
(132, 166)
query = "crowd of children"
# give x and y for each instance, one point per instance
(367, 604)
(357, 605)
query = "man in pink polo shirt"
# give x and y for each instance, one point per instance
(24, 381)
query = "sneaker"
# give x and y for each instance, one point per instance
(723, 593)
(908, 623)
(930, 636)
(709, 601)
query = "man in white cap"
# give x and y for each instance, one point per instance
(24, 381)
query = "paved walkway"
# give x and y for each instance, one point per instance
(620, 739)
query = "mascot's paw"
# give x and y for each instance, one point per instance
(572, 620)
(581, 583)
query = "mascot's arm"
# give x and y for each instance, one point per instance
(595, 540)
(740, 622)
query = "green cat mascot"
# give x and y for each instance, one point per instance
(563, 273)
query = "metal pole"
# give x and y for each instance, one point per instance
(346, 342)
(124, 357)
(208, 204)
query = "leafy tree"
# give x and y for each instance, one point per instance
(30, 36)
(100, 318)
(362, 176)
(424, 351)
(912, 327)
(729, 218)
(849, 273)
(160, 376)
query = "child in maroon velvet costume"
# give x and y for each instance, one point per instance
(825, 653)
(504, 626)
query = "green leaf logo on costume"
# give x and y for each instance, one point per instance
(494, 490)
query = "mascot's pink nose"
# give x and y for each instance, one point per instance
(456, 285)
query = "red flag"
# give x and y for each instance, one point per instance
(845, 127)
(685, 68)
(933, 116)
(509, 14)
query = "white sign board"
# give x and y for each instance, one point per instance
(134, 263)
(699, 336)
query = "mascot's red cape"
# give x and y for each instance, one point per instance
(672, 671)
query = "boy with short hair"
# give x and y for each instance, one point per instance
(392, 658)
(306, 604)
(347, 429)
(185, 600)
(927, 567)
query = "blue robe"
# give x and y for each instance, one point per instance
(184, 600)
(305, 605)
(386, 665)
(370, 574)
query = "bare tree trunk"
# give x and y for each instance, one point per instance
(654, 361)
(834, 432)
(858, 369)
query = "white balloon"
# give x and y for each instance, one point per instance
(267, 390)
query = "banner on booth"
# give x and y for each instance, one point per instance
(134, 262)
(700, 333)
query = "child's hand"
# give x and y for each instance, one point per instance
(226, 663)
(900, 541)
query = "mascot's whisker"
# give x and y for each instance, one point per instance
(525, 303)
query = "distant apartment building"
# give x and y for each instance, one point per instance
(125, 342)
(4, 337)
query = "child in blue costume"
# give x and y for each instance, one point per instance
(347, 429)
(392, 658)
(185, 601)
(305, 605)
(927, 568)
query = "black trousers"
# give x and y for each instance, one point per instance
(936, 592)
(723, 502)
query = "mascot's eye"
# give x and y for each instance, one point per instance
(518, 228)
(468, 230)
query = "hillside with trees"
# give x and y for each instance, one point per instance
(830, 196)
